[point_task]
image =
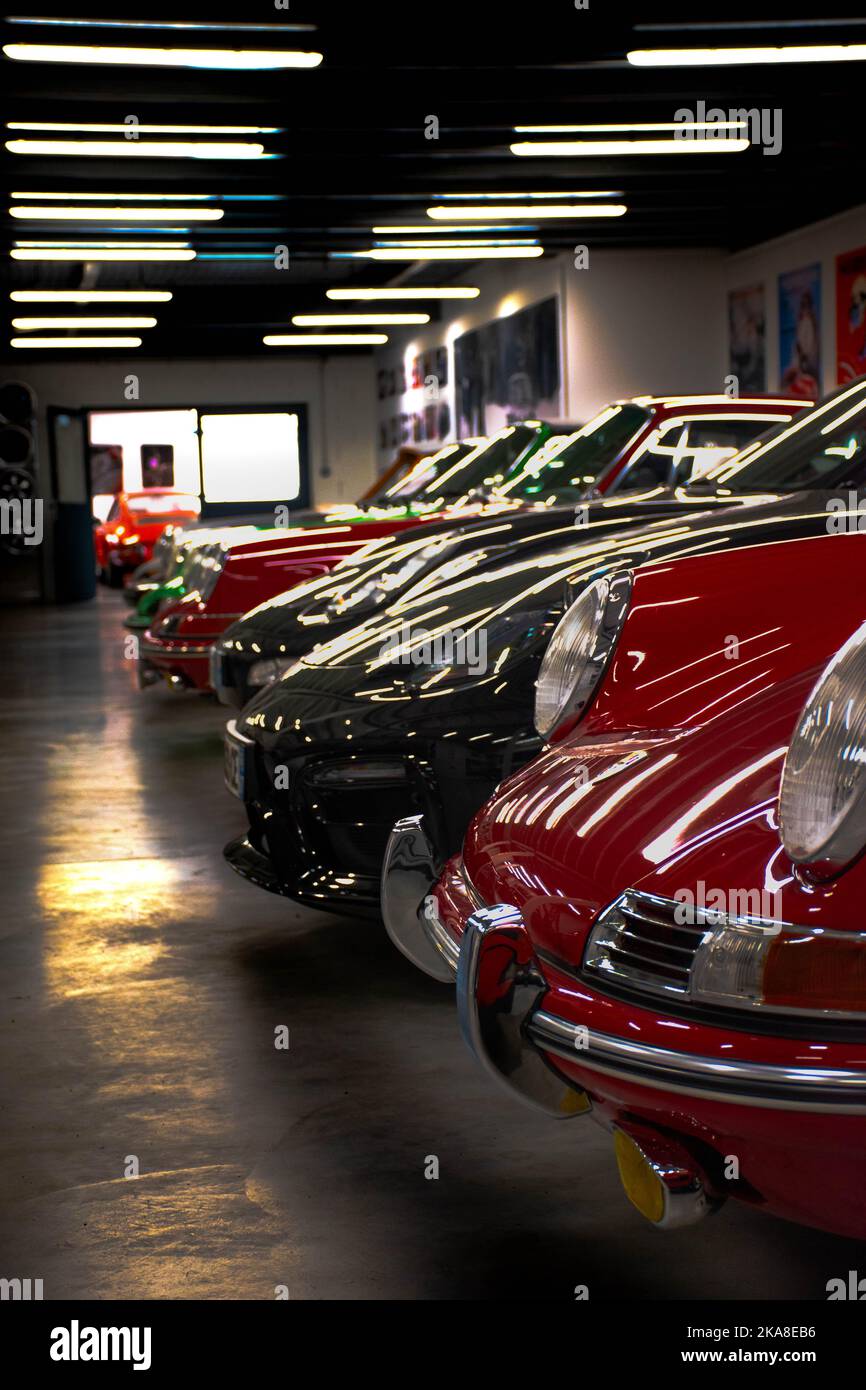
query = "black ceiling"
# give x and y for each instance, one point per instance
(354, 151)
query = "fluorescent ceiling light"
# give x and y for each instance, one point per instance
(34, 212)
(718, 57)
(127, 197)
(354, 320)
(503, 197)
(424, 292)
(447, 253)
(465, 241)
(593, 148)
(140, 149)
(87, 253)
(29, 324)
(234, 58)
(132, 129)
(467, 213)
(152, 24)
(427, 229)
(74, 342)
(323, 339)
(90, 245)
(643, 125)
(90, 296)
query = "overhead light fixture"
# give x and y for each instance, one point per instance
(463, 241)
(427, 229)
(90, 296)
(75, 342)
(113, 197)
(354, 320)
(88, 244)
(468, 212)
(36, 213)
(31, 324)
(592, 149)
(154, 24)
(140, 149)
(240, 59)
(324, 339)
(615, 129)
(504, 197)
(89, 253)
(141, 128)
(447, 253)
(735, 57)
(423, 292)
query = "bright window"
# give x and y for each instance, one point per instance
(250, 458)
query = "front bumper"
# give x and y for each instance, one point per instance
(183, 665)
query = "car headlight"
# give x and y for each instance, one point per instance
(580, 650)
(822, 802)
(203, 569)
(263, 672)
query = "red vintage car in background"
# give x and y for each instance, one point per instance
(134, 523)
(660, 920)
(639, 447)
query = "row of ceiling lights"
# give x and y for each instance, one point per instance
(476, 249)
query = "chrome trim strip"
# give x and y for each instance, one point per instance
(200, 653)
(408, 874)
(828, 1090)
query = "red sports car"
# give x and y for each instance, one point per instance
(639, 446)
(660, 920)
(134, 523)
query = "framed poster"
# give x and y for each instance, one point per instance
(508, 370)
(850, 315)
(800, 331)
(747, 337)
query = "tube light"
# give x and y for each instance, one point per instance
(133, 129)
(248, 60)
(718, 57)
(88, 244)
(104, 23)
(323, 339)
(137, 214)
(132, 149)
(74, 342)
(127, 197)
(354, 320)
(447, 253)
(593, 148)
(614, 129)
(89, 254)
(502, 197)
(90, 296)
(424, 292)
(30, 324)
(427, 229)
(468, 212)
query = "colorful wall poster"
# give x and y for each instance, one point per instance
(747, 337)
(850, 315)
(800, 331)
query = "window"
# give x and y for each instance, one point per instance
(250, 457)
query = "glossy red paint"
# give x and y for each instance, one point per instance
(126, 538)
(670, 782)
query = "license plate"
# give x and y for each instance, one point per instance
(235, 768)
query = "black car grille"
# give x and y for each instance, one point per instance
(638, 942)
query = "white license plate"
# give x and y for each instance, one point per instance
(234, 768)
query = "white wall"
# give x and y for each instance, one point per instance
(339, 393)
(822, 242)
(631, 323)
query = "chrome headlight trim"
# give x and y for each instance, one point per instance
(580, 651)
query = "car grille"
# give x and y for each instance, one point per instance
(637, 942)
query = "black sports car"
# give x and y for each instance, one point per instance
(425, 708)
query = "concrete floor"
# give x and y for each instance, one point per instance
(141, 986)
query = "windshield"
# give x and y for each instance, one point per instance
(823, 448)
(160, 504)
(485, 466)
(423, 472)
(572, 463)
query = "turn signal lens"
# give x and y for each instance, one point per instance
(817, 973)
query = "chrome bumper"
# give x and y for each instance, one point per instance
(409, 912)
(500, 999)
